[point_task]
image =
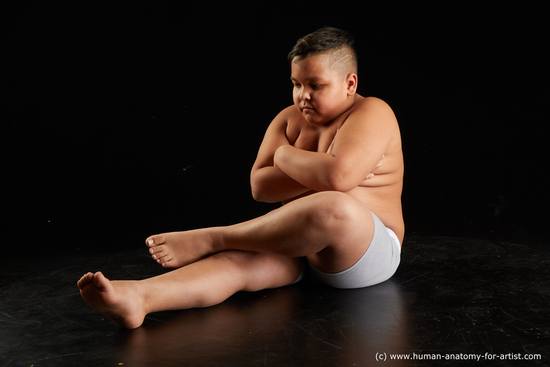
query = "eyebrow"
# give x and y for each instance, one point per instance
(313, 79)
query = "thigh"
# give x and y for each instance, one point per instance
(377, 265)
(349, 237)
(262, 271)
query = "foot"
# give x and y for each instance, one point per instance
(119, 301)
(177, 249)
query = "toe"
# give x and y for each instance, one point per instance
(162, 259)
(166, 261)
(154, 240)
(157, 252)
(102, 283)
(86, 279)
(159, 255)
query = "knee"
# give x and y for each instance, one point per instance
(334, 208)
(238, 262)
(234, 257)
(256, 271)
(233, 264)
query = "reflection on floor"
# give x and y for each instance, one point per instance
(451, 298)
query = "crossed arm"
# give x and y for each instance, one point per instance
(282, 172)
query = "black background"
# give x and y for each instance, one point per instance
(128, 120)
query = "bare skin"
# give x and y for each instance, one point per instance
(321, 158)
(320, 226)
(379, 193)
(126, 303)
(119, 301)
(203, 244)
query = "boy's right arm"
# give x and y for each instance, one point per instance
(270, 184)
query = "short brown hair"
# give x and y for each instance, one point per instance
(327, 39)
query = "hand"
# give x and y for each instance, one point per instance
(371, 175)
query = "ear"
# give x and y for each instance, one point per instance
(351, 84)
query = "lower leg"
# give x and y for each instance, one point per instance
(332, 225)
(205, 283)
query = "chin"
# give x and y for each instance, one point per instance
(315, 120)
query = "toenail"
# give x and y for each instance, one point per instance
(150, 242)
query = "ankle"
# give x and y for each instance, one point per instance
(217, 239)
(146, 296)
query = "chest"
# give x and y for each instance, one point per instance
(310, 137)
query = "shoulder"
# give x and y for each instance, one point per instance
(371, 117)
(289, 120)
(373, 111)
(372, 104)
(290, 114)
(283, 127)
(285, 117)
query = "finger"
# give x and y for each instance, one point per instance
(380, 163)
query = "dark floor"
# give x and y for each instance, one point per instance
(451, 298)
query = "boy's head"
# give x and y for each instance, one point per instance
(336, 43)
(324, 73)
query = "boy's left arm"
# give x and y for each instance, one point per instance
(358, 148)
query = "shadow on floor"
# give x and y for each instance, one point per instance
(451, 297)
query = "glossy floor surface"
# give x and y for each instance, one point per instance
(451, 298)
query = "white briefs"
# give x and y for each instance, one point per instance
(377, 264)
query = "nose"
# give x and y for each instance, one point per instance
(305, 94)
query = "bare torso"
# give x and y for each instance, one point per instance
(381, 194)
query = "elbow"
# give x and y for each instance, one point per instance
(340, 179)
(260, 188)
(256, 191)
(262, 197)
(259, 193)
(341, 185)
(255, 187)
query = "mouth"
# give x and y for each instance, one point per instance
(307, 109)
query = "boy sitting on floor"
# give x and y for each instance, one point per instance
(334, 159)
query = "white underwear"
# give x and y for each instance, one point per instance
(377, 264)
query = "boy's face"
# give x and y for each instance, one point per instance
(321, 93)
